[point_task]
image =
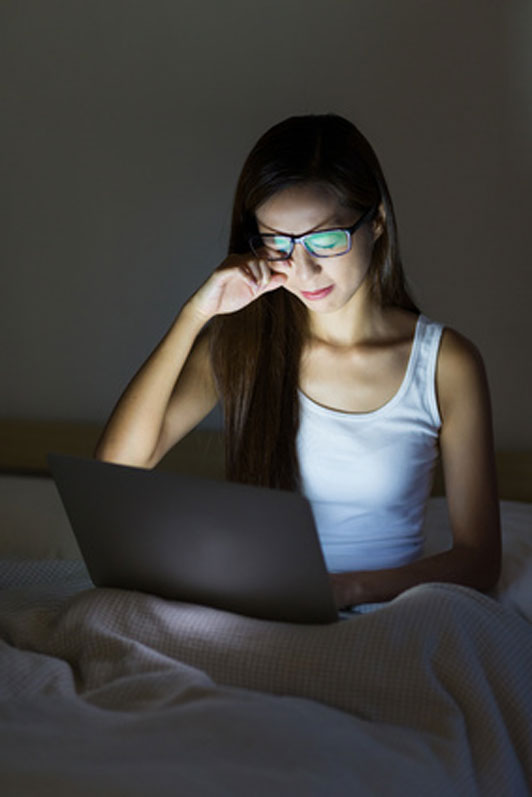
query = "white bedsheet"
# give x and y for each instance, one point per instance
(111, 692)
(107, 692)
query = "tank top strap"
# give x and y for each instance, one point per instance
(424, 361)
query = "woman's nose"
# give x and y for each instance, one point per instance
(303, 264)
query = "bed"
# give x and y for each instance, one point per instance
(112, 692)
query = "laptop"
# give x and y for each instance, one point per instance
(245, 549)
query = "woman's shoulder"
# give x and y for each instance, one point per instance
(457, 351)
(460, 371)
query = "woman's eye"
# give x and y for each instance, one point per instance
(281, 245)
(328, 241)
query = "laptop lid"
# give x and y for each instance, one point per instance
(245, 549)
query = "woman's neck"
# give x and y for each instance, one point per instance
(355, 323)
(372, 325)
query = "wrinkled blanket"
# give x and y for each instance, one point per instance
(112, 692)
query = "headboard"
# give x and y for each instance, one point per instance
(24, 445)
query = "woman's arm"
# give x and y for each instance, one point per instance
(168, 396)
(174, 389)
(466, 444)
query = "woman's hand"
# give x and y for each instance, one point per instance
(237, 282)
(347, 591)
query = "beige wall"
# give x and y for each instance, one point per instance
(125, 124)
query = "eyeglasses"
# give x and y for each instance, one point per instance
(324, 243)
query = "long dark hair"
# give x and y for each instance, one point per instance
(256, 352)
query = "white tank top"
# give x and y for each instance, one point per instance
(368, 475)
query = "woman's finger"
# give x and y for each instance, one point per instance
(255, 270)
(275, 282)
(266, 273)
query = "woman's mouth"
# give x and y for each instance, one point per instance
(321, 294)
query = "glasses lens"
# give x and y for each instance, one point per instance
(327, 243)
(272, 247)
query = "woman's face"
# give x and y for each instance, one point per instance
(323, 284)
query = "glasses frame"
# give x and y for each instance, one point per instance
(302, 239)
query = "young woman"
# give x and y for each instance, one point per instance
(331, 380)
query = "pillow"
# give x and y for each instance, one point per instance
(33, 522)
